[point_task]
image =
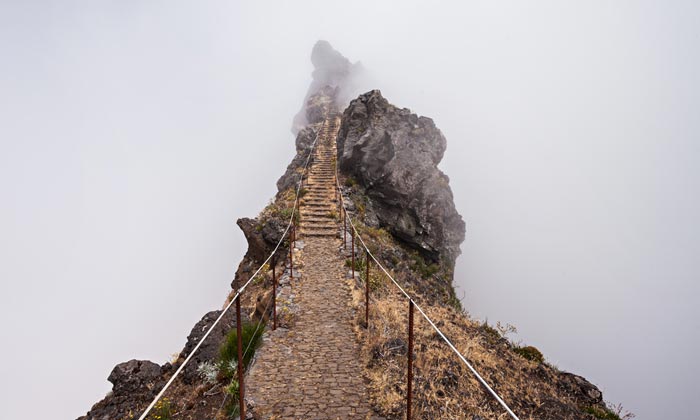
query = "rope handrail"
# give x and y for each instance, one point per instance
(408, 296)
(240, 289)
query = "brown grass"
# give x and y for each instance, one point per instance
(444, 388)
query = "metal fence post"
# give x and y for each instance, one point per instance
(367, 293)
(352, 236)
(274, 295)
(291, 260)
(345, 229)
(239, 368)
(409, 393)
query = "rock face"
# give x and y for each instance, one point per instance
(134, 383)
(209, 350)
(304, 141)
(333, 76)
(394, 154)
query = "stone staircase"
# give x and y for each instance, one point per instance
(319, 207)
(311, 369)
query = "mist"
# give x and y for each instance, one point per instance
(134, 134)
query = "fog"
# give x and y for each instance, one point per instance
(135, 133)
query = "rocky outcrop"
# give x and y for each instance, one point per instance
(394, 154)
(134, 384)
(304, 141)
(334, 76)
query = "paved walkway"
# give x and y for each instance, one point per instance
(312, 370)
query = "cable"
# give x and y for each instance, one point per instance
(240, 290)
(449, 343)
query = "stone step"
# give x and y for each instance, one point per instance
(319, 220)
(316, 214)
(317, 233)
(326, 202)
(319, 228)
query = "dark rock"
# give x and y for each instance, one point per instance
(304, 141)
(134, 384)
(257, 246)
(580, 388)
(272, 230)
(394, 154)
(134, 376)
(209, 350)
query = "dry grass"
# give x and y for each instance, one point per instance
(443, 387)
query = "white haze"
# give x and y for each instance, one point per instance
(134, 133)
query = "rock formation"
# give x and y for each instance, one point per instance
(388, 158)
(394, 154)
(334, 76)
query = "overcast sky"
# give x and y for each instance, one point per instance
(134, 133)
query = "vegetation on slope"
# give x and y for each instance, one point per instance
(443, 386)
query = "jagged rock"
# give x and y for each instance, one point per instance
(581, 388)
(304, 141)
(257, 246)
(134, 376)
(394, 154)
(334, 76)
(134, 384)
(209, 350)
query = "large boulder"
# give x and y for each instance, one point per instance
(134, 384)
(394, 154)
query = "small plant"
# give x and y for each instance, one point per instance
(490, 331)
(162, 410)
(232, 408)
(251, 338)
(303, 192)
(601, 413)
(424, 269)
(350, 182)
(530, 353)
(505, 329)
(208, 371)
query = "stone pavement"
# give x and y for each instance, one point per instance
(312, 370)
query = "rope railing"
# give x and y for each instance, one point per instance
(236, 299)
(412, 303)
(290, 233)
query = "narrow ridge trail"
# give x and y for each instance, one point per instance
(312, 370)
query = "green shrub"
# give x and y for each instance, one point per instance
(424, 269)
(530, 353)
(601, 413)
(490, 331)
(350, 182)
(232, 407)
(251, 338)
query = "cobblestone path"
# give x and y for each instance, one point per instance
(312, 370)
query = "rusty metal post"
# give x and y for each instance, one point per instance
(345, 229)
(239, 368)
(352, 236)
(291, 261)
(367, 293)
(274, 295)
(409, 390)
